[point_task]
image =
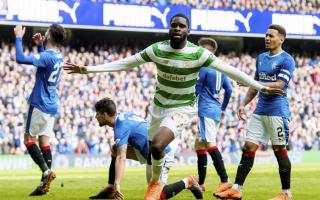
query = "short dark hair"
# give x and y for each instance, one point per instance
(208, 41)
(281, 30)
(181, 15)
(57, 33)
(106, 105)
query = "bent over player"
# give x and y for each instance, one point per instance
(131, 141)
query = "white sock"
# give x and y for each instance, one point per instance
(45, 173)
(148, 173)
(287, 192)
(237, 187)
(185, 180)
(157, 169)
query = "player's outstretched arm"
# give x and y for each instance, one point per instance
(119, 65)
(241, 77)
(120, 166)
(19, 32)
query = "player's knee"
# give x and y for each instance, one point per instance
(28, 139)
(283, 159)
(248, 153)
(250, 147)
(156, 149)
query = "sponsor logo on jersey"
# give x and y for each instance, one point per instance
(264, 76)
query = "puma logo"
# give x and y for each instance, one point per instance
(244, 20)
(71, 11)
(162, 16)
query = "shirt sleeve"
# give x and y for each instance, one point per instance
(199, 84)
(227, 93)
(121, 135)
(286, 71)
(119, 65)
(37, 60)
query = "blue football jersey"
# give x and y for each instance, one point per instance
(270, 69)
(49, 65)
(208, 87)
(131, 129)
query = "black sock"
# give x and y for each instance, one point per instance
(47, 155)
(172, 190)
(202, 165)
(218, 163)
(35, 154)
(112, 170)
(284, 168)
(244, 167)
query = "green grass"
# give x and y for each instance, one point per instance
(262, 183)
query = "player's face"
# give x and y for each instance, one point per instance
(178, 31)
(103, 119)
(273, 39)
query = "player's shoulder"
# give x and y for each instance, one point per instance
(287, 56)
(163, 42)
(263, 54)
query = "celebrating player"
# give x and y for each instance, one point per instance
(131, 141)
(43, 101)
(208, 87)
(178, 63)
(271, 116)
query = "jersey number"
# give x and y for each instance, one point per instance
(54, 76)
(280, 134)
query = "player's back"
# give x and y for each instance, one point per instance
(271, 69)
(44, 95)
(208, 87)
(132, 129)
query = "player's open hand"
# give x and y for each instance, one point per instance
(272, 91)
(74, 69)
(241, 114)
(38, 38)
(118, 195)
(19, 31)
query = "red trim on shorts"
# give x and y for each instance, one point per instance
(212, 149)
(30, 143)
(250, 154)
(201, 152)
(45, 148)
(281, 153)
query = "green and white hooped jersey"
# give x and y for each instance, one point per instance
(177, 72)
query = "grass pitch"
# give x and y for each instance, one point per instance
(76, 184)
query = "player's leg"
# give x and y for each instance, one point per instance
(108, 191)
(173, 189)
(202, 161)
(208, 132)
(44, 143)
(279, 140)
(255, 136)
(169, 127)
(35, 123)
(30, 139)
